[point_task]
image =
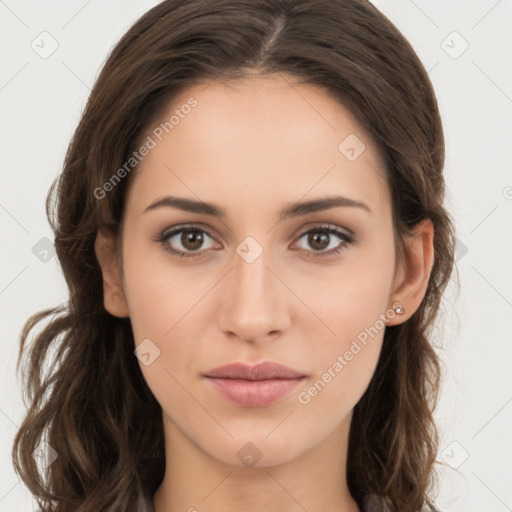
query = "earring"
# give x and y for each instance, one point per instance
(399, 309)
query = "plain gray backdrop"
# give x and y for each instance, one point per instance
(51, 54)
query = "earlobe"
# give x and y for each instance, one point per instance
(114, 299)
(415, 274)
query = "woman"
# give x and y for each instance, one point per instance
(250, 221)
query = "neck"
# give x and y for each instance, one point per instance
(194, 481)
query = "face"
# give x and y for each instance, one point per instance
(310, 290)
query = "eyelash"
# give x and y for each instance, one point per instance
(345, 238)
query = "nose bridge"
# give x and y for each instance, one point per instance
(250, 277)
(252, 304)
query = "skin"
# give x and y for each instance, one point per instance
(253, 147)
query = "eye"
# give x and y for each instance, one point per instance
(185, 241)
(189, 241)
(323, 237)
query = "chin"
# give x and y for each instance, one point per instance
(260, 450)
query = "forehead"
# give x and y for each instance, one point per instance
(254, 140)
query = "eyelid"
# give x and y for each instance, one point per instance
(345, 235)
(333, 230)
(183, 227)
(168, 233)
(313, 226)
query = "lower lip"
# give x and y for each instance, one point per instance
(254, 393)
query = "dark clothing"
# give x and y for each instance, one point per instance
(372, 503)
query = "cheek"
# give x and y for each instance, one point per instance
(354, 295)
(344, 360)
(352, 307)
(166, 307)
(159, 293)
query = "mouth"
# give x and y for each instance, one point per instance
(254, 393)
(254, 386)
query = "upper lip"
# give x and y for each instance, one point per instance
(261, 371)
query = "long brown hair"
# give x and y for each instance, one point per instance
(92, 405)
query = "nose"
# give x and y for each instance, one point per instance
(255, 303)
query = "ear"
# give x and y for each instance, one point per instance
(113, 294)
(412, 278)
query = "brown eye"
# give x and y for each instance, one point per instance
(192, 239)
(186, 241)
(318, 240)
(325, 237)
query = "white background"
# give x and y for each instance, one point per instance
(41, 100)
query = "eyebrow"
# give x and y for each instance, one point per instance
(294, 210)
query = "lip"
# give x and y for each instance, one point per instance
(254, 386)
(260, 371)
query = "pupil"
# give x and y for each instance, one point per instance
(321, 237)
(192, 239)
